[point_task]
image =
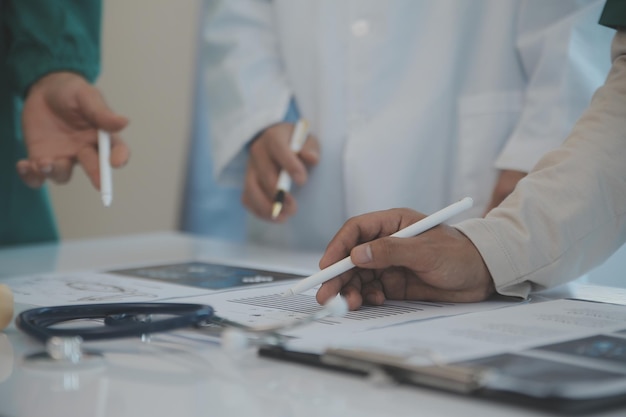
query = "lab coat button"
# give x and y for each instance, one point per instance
(360, 28)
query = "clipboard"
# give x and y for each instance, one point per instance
(545, 377)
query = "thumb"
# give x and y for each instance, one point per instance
(362, 255)
(97, 112)
(383, 253)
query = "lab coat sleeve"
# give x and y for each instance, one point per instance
(245, 82)
(565, 55)
(569, 214)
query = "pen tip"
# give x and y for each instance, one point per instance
(288, 293)
(107, 200)
(276, 208)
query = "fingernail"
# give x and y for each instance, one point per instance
(46, 169)
(362, 254)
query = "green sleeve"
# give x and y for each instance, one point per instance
(614, 14)
(51, 35)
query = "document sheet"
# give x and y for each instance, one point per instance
(247, 295)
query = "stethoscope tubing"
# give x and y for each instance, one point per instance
(37, 322)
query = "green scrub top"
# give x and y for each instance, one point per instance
(37, 37)
(614, 14)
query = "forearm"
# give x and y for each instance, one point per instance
(568, 215)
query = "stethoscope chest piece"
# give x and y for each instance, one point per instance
(64, 351)
(68, 349)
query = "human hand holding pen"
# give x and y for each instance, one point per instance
(60, 119)
(283, 185)
(440, 264)
(268, 155)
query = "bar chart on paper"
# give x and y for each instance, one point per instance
(267, 306)
(306, 304)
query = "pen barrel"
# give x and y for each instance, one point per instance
(284, 181)
(435, 219)
(324, 275)
(104, 149)
(104, 153)
(106, 180)
(300, 133)
(298, 137)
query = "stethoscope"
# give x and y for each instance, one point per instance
(122, 320)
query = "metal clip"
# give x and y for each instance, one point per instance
(448, 377)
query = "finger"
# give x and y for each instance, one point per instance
(330, 289)
(23, 167)
(283, 156)
(396, 281)
(44, 166)
(88, 159)
(254, 199)
(61, 170)
(261, 166)
(344, 240)
(386, 252)
(365, 228)
(352, 292)
(345, 284)
(97, 112)
(120, 153)
(310, 152)
(372, 292)
(29, 174)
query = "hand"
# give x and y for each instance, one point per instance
(61, 115)
(507, 180)
(440, 264)
(270, 153)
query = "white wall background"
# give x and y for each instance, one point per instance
(147, 72)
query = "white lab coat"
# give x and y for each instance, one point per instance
(416, 103)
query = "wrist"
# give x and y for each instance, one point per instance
(54, 79)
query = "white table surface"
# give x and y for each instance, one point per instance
(168, 378)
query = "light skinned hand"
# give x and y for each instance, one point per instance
(268, 155)
(440, 264)
(62, 113)
(507, 180)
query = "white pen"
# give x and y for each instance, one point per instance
(414, 229)
(106, 180)
(299, 135)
